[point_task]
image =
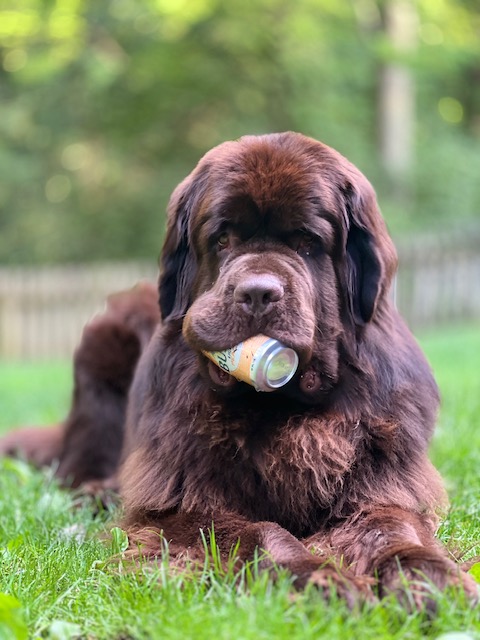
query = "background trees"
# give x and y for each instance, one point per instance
(105, 106)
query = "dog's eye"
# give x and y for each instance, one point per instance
(223, 240)
(305, 245)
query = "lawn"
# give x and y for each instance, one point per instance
(61, 576)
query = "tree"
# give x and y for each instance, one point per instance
(396, 105)
(105, 106)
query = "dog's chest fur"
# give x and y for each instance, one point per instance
(288, 471)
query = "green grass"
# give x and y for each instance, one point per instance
(33, 394)
(454, 355)
(61, 576)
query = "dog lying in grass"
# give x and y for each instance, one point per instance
(329, 475)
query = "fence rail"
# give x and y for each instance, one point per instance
(43, 310)
(438, 279)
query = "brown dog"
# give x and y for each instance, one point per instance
(280, 235)
(87, 444)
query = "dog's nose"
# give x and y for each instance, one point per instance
(258, 293)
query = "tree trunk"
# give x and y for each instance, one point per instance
(396, 102)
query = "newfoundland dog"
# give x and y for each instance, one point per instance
(328, 476)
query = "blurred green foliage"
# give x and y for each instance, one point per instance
(105, 106)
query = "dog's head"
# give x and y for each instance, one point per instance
(279, 235)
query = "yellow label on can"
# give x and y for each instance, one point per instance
(240, 359)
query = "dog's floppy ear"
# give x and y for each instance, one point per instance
(370, 254)
(178, 263)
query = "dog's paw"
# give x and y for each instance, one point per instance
(100, 495)
(333, 582)
(417, 576)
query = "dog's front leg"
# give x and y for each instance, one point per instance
(38, 445)
(398, 548)
(187, 536)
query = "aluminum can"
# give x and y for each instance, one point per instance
(263, 362)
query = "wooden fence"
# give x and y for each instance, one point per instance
(438, 279)
(43, 310)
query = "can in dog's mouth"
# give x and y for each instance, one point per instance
(263, 362)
